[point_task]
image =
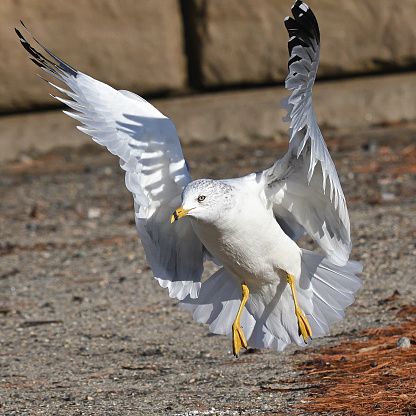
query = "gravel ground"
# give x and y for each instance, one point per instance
(86, 330)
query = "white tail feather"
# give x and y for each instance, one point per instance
(324, 290)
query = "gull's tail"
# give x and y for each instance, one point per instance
(329, 289)
(268, 320)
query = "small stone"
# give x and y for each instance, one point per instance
(388, 196)
(108, 171)
(94, 213)
(403, 342)
(80, 253)
(24, 158)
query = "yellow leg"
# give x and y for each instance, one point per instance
(304, 327)
(239, 340)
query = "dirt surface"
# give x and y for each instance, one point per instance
(86, 330)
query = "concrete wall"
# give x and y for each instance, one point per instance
(245, 41)
(193, 47)
(135, 45)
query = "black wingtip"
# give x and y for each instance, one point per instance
(36, 62)
(303, 28)
(43, 61)
(22, 39)
(298, 3)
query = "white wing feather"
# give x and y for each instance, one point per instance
(303, 186)
(156, 173)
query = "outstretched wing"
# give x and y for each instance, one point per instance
(156, 173)
(303, 186)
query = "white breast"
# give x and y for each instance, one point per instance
(249, 242)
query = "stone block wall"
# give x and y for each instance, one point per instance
(159, 46)
(129, 44)
(245, 41)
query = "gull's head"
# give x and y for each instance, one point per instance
(205, 200)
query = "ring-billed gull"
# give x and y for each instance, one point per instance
(268, 292)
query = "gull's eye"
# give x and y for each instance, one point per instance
(201, 198)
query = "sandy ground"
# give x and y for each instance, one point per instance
(86, 330)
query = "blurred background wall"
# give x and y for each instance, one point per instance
(216, 67)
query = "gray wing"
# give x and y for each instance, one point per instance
(156, 173)
(303, 186)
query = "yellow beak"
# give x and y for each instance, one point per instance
(179, 213)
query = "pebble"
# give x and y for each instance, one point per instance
(388, 196)
(403, 342)
(94, 213)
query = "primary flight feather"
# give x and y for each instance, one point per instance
(268, 291)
